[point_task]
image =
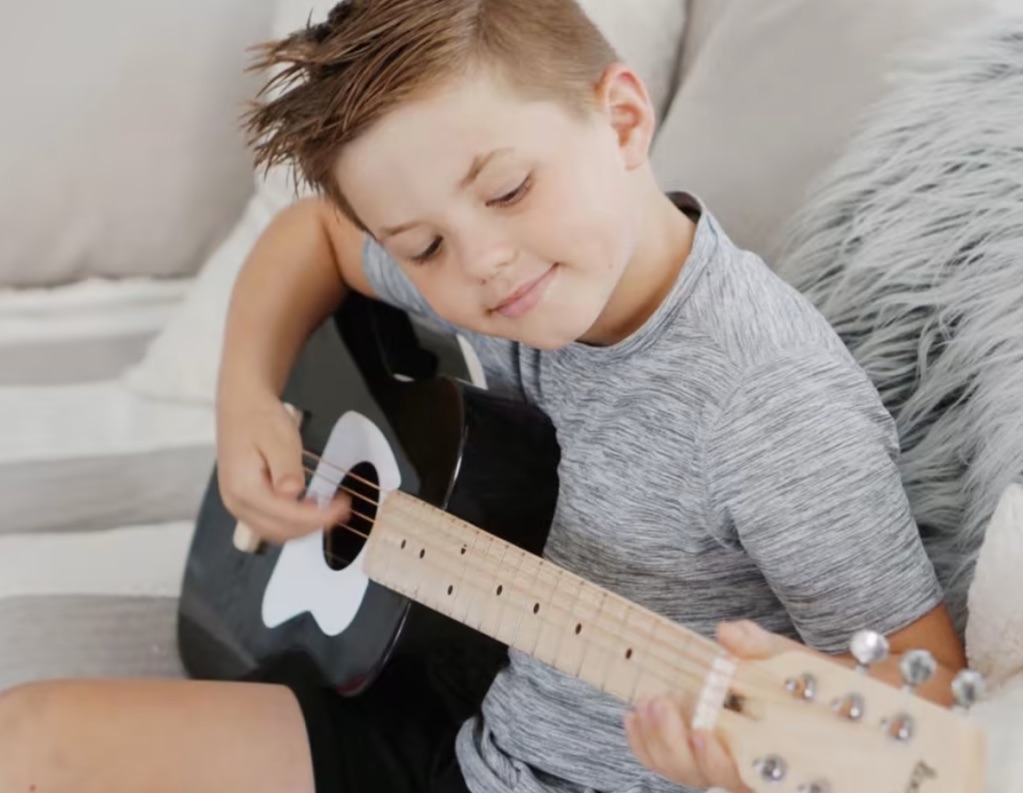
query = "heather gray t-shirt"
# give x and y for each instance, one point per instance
(728, 460)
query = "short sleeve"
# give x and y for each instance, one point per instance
(390, 283)
(801, 467)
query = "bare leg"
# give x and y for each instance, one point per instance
(152, 735)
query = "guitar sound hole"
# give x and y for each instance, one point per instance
(343, 543)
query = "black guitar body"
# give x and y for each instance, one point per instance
(489, 460)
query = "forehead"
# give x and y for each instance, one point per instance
(420, 151)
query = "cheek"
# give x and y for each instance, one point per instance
(446, 295)
(593, 223)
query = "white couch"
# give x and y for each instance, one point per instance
(132, 204)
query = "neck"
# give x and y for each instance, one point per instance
(534, 606)
(664, 240)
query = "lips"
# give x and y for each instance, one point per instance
(526, 297)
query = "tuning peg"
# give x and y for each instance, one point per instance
(917, 667)
(868, 648)
(968, 688)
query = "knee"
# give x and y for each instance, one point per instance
(28, 718)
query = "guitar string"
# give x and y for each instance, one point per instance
(709, 650)
(512, 588)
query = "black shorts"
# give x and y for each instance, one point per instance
(396, 737)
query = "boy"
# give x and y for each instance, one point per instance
(723, 458)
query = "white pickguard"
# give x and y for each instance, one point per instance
(302, 581)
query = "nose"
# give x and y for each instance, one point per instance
(484, 254)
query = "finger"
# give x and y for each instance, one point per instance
(283, 460)
(294, 518)
(715, 763)
(667, 741)
(746, 639)
(634, 736)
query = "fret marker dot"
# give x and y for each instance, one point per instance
(422, 553)
(500, 588)
(536, 608)
(463, 550)
(403, 544)
(628, 653)
(578, 629)
(451, 589)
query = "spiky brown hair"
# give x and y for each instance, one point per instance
(334, 80)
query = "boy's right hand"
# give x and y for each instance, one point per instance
(261, 471)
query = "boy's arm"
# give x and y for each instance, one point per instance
(802, 471)
(297, 273)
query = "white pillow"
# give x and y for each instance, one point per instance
(994, 640)
(183, 361)
(120, 152)
(994, 632)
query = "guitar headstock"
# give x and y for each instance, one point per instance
(801, 723)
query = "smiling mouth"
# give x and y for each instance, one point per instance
(526, 297)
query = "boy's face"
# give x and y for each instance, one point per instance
(512, 217)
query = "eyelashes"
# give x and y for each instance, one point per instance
(503, 202)
(516, 195)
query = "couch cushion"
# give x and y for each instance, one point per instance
(94, 455)
(87, 331)
(770, 93)
(53, 636)
(120, 149)
(99, 603)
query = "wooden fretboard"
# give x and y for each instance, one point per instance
(532, 605)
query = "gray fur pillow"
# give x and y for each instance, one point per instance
(912, 247)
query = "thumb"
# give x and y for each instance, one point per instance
(746, 639)
(284, 466)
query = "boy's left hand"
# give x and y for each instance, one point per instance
(658, 734)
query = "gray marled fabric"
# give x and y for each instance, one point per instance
(728, 460)
(87, 636)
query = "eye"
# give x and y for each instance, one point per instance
(429, 253)
(515, 195)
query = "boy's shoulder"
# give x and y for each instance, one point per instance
(754, 318)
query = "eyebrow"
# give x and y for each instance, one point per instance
(480, 161)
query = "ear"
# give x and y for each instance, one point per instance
(625, 102)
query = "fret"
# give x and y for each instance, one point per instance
(525, 579)
(490, 607)
(577, 634)
(555, 622)
(538, 604)
(658, 671)
(625, 667)
(596, 657)
(464, 591)
(528, 628)
(509, 616)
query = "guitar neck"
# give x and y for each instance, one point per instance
(534, 606)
